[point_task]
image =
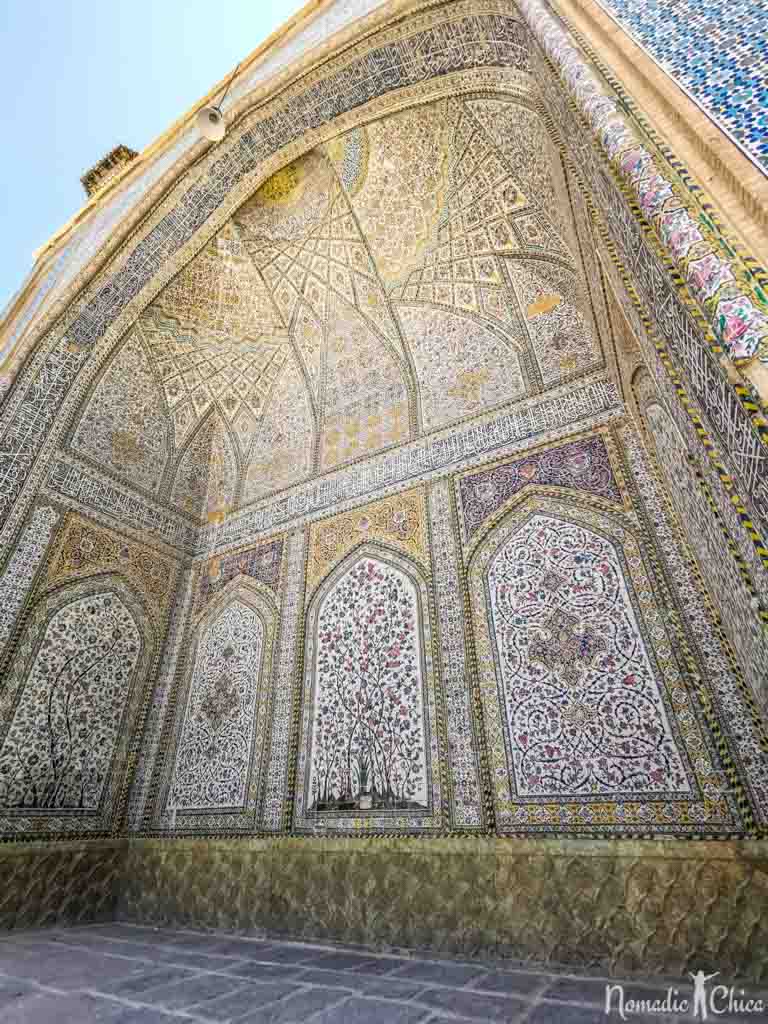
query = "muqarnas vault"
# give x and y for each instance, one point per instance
(391, 470)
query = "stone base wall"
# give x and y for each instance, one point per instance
(652, 907)
(59, 883)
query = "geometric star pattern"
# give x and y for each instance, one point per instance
(310, 327)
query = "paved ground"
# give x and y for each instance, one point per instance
(125, 974)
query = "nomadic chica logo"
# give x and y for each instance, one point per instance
(705, 1002)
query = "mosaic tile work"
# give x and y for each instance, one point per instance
(86, 240)
(567, 681)
(587, 723)
(717, 53)
(401, 573)
(736, 310)
(735, 443)
(497, 44)
(217, 757)
(370, 754)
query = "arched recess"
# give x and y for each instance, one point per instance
(282, 450)
(260, 142)
(124, 425)
(369, 742)
(365, 398)
(464, 365)
(589, 724)
(75, 691)
(215, 764)
(185, 238)
(206, 472)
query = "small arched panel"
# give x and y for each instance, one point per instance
(75, 689)
(369, 746)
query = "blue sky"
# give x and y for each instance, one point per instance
(79, 76)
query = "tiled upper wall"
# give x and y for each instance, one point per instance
(717, 52)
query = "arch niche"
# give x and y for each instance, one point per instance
(77, 688)
(589, 723)
(369, 737)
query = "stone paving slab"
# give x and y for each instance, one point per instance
(123, 974)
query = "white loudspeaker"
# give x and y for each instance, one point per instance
(210, 124)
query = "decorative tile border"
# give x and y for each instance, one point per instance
(737, 313)
(467, 811)
(421, 459)
(140, 793)
(16, 578)
(715, 53)
(280, 766)
(729, 413)
(94, 491)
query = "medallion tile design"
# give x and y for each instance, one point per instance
(590, 724)
(584, 715)
(211, 763)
